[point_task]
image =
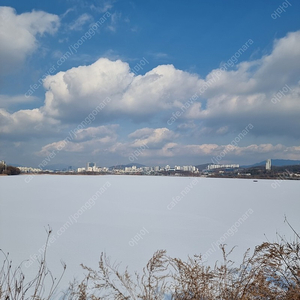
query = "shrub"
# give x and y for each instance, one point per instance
(271, 272)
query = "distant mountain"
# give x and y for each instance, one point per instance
(276, 163)
(60, 167)
(128, 165)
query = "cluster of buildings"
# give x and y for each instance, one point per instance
(167, 168)
(91, 167)
(236, 166)
(30, 170)
(177, 170)
(232, 166)
(186, 168)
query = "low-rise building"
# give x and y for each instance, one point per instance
(29, 170)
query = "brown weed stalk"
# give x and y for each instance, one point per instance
(272, 271)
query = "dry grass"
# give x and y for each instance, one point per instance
(15, 286)
(272, 271)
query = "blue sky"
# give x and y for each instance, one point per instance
(176, 81)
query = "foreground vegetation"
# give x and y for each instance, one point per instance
(272, 271)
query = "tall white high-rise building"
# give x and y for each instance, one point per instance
(268, 164)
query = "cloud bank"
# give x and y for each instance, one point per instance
(240, 95)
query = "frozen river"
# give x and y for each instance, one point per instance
(130, 217)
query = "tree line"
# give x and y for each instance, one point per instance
(9, 170)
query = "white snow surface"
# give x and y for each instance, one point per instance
(138, 204)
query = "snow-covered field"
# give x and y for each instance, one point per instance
(130, 217)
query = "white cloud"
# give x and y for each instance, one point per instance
(238, 96)
(85, 140)
(222, 130)
(67, 12)
(104, 7)
(81, 21)
(25, 124)
(186, 125)
(159, 55)
(264, 75)
(21, 120)
(149, 139)
(206, 152)
(244, 95)
(241, 96)
(93, 132)
(18, 34)
(115, 17)
(160, 144)
(135, 96)
(169, 147)
(152, 137)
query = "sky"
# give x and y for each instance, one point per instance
(150, 82)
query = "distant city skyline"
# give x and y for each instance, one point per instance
(91, 166)
(149, 82)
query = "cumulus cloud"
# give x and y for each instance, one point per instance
(152, 137)
(18, 34)
(134, 96)
(242, 95)
(245, 94)
(177, 152)
(215, 153)
(25, 124)
(236, 96)
(159, 144)
(94, 132)
(20, 119)
(145, 139)
(84, 140)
